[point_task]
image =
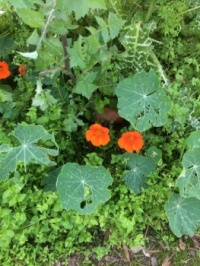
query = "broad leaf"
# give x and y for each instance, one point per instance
(8, 111)
(189, 180)
(34, 38)
(142, 102)
(5, 93)
(27, 151)
(154, 153)
(183, 215)
(103, 29)
(22, 3)
(140, 167)
(85, 85)
(32, 18)
(76, 54)
(83, 188)
(49, 180)
(193, 141)
(81, 7)
(115, 24)
(6, 46)
(109, 29)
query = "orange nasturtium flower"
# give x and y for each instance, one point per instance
(131, 141)
(22, 69)
(98, 135)
(4, 70)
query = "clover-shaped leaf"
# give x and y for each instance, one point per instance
(83, 187)
(183, 215)
(142, 102)
(27, 151)
(189, 179)
(140, 167)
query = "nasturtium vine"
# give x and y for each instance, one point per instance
(83, 187)
(142, 101)
(27, 151)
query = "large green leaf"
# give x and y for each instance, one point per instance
(140, 167)
(193, 141)
(76, 54)
(85, 85)
(22, 3)
(154, 153)
(189, 179)
(83, 188)
(142, 102)
(27, 151)
(115, 24)
(183, 215)
(50, 179)
(32, 18)
(109, 29)
(81, 7)
(6, 46)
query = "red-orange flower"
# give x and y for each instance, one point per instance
(22, 69)
(4, 70)
(98, 135)
(131, 141)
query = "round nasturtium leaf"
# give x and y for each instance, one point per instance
(139, 169)
(142, 101)
(189, 179)
(183, 215)
(154, 153)
(28, 150)
(193, 141)
(83, 187)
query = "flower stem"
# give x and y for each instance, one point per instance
(43, 35)
(150, 10)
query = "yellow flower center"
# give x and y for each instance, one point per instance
(99, 132)
(131, 139)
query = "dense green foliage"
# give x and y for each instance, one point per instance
(139, 58)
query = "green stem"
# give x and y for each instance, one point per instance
(43, 35)
(159, 67)
(150, 10)
(191, 9)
